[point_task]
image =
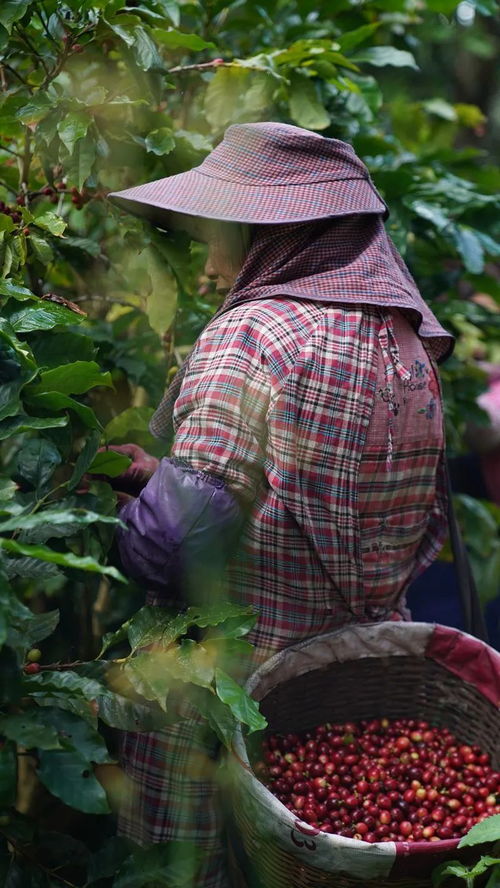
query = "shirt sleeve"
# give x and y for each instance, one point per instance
(220, 414)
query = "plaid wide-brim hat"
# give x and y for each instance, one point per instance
(262, 173)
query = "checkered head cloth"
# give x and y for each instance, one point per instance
(347, 260)
(263, 173)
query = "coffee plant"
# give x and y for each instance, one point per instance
(98, 309)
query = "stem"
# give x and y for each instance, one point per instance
(45, 27)
(10, 151)
(60, 667)
(14, 72)
(8, 187)
(201, 66)
(30, 46)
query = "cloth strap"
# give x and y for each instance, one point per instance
(474, 622)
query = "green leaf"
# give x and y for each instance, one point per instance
(105, 862)
(66, 681)
(42, 315)
(109, 462)
(110, 639)
(6, 223)
(16, 291)
(69, 777)
(494, 879)
(37, 461)
(8, 775)
(17, 367)
(31, 628)
(85, 458)
(486, 831)
(50, 222)
(158, 625)
(483, 864)
(160, 141)
(65, 559)
(79, 162)
(470, 248)
(35, 109)
(305, 107)
(41, 248)
(145, 51)
(57, 401)
(74, 244)
(219, 717)
(442, 872)
(123, 714)
(431, 213)
(28, 730)
(172, 10)
(72, 127)
(133, 419)
(76, 734)
(240, 703)
(62, 521)
(224, 95)
(440, 108)
(380, 56)
(11, 11)
(179, 40)
(172, 865)
(72, 379)
(351, 39)
(16, 425)
(52, 350)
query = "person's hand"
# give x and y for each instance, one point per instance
(139, 472)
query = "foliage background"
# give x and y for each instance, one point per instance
(97, 310)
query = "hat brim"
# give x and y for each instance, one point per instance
(196, 194)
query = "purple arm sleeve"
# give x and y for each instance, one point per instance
(180, 532)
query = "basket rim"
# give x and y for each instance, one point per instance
(397, 638)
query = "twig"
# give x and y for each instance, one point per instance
(201, 66)
(14, 72)
(8, 187)
(59, 667)
(29, 44)
(10, 151)
(45, 27)
(3, 81)
(22, 851)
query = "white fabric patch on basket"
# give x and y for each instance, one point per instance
(331, 853)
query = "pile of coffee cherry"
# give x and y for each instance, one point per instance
(381, 781)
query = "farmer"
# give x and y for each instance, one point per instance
(306, 469)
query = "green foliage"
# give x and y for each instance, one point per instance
(96, 97)
(485, 832)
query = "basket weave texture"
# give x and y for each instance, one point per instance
(394, 686)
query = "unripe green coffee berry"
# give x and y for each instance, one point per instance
(34, 655)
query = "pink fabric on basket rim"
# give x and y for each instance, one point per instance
(469, 659)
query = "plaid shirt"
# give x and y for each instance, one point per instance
(327, 420)
(307, 411)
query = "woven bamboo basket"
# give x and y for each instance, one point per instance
(396, 670)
